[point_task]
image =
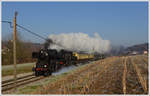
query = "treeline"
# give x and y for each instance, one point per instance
(23, 51)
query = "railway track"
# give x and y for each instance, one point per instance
(9, 84)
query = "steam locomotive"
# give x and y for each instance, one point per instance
(50, 60)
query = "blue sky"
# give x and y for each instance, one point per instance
(123, 23)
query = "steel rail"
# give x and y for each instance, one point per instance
(8, 84)
(21, 83)
(6, 81)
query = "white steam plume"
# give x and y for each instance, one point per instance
(80, 42)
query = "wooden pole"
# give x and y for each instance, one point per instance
(14, 52)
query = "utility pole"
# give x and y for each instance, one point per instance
(14, 52)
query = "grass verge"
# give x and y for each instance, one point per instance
(21, 68)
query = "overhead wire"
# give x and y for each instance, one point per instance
(10, 23)
(27, 30)
(33, 33)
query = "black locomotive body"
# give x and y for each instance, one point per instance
(50, 60)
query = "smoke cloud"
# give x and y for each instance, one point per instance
(47, 43)
(79, 42)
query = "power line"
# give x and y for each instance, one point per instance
(33, 33)
(11, 26)
(39, 35)
(24, 29)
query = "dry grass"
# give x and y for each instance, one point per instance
(113, 75)
(21, 68)
(124, 75)
(140, 77)
(81, 81)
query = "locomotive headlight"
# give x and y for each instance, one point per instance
(45, 65)
(46, 54)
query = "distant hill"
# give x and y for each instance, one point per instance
(121, 50)
(139, 49)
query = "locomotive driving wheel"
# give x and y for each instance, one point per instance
(46, 74)
(37, 73)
